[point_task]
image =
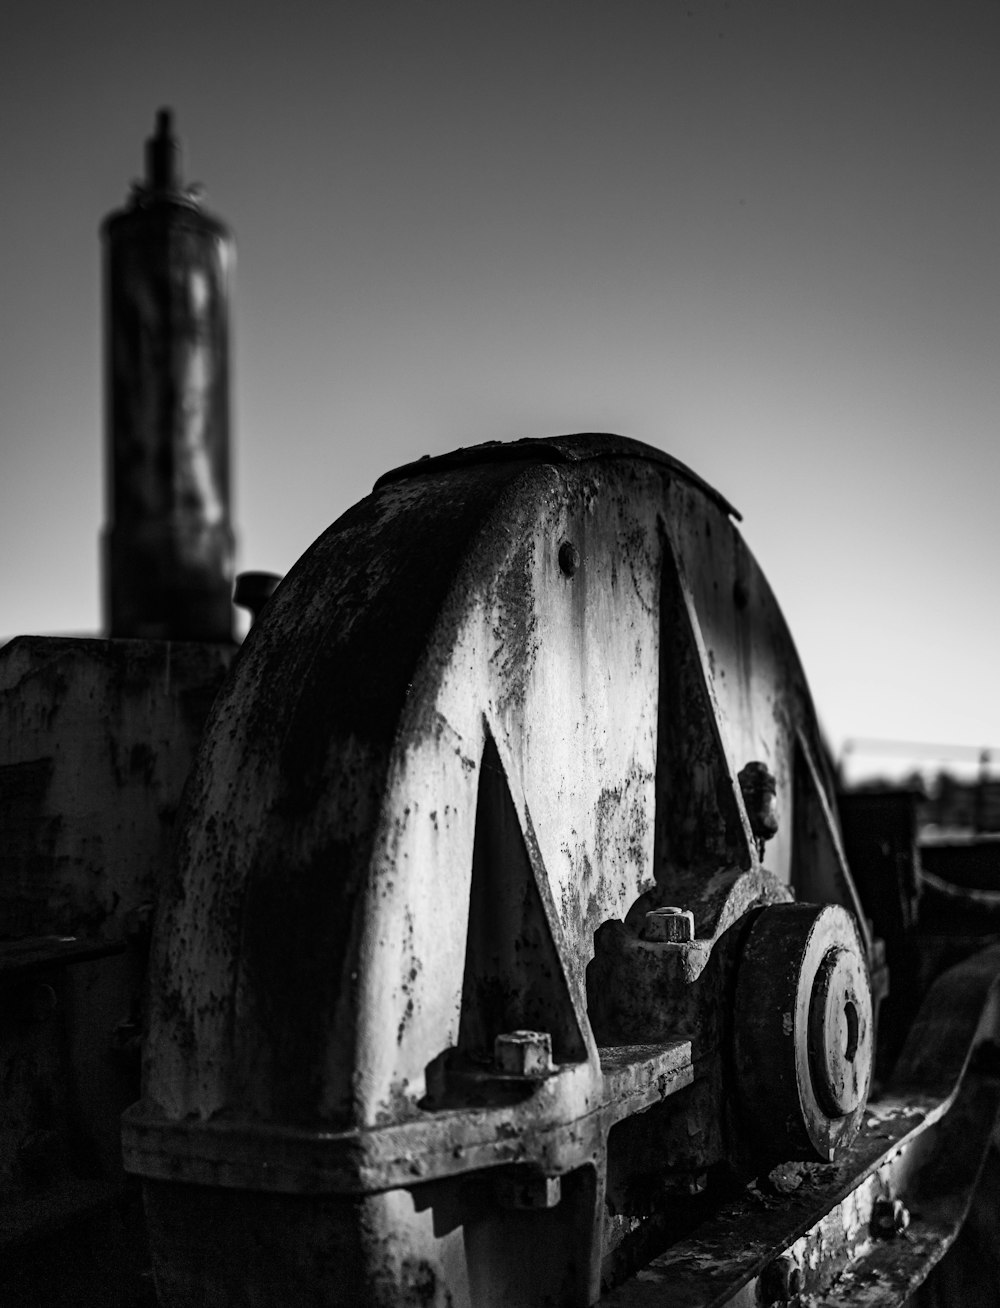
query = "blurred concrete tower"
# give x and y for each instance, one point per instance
(168, 546)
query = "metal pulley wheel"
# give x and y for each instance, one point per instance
(804, 1040)
(405, 1019)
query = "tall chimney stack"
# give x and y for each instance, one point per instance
(168, 541)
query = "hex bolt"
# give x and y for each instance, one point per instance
(523, 1053)
(672, 924)
(890, 1217)
(781, 1280)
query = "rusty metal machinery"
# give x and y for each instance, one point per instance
(512, 935)
(512, 944)
(510, 953)
(96, 741)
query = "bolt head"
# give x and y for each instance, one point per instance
(672, 924)
(523, 1053)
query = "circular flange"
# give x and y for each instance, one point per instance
(836, 1012)
(803, 1037)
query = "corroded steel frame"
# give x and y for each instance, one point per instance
(922, 1147)
(541, 670)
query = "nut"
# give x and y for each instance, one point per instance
(523, 1053)
(674, 924)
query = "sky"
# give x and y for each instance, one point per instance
(762, 235)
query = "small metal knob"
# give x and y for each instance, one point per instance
(254, 589)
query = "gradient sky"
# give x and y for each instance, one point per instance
(762, 236)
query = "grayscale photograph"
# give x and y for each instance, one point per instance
(499, 724)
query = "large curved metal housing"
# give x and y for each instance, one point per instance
(495, 713)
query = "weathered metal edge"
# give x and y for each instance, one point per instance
(437, 1145)
(932, 1074)
(574, 448)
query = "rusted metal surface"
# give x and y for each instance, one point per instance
(922, 1146)
(558, 449)
(169, 543)
(840, 1257)
(53, 1186)
(96, 740)
(499, 707)
(540, 1131)
(804, 1035)
(669, 923)
(473, 984)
